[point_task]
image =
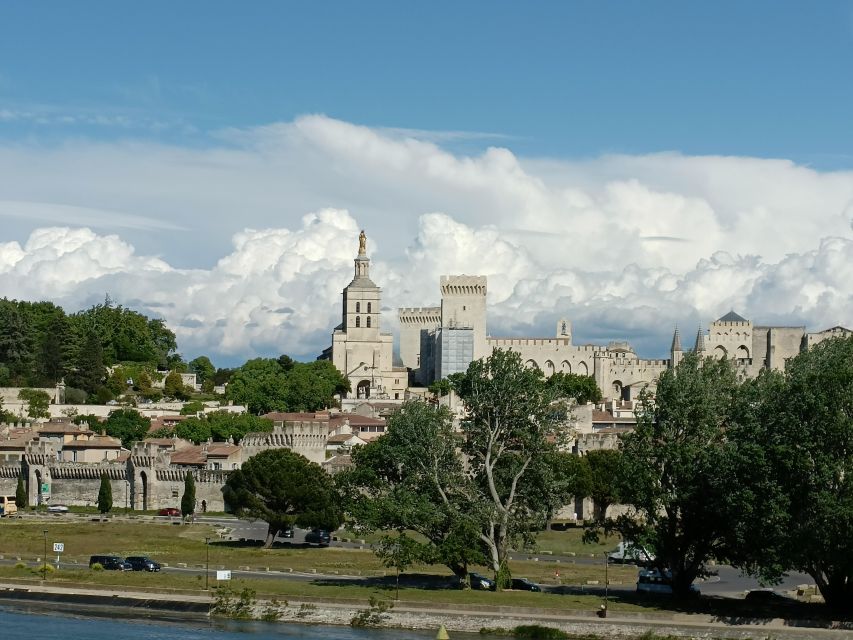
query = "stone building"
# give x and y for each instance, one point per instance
(360, 350)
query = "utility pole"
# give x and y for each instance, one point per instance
(207, 565)
(44, 558)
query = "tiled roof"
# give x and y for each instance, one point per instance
(63, 428)
(189, 455)
(342, 437)
(98, 442)
(222, 450)
(278, 416)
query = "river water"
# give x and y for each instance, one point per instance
(27, 623)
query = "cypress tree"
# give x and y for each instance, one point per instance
(21, 499)
(188, 499)
(105, 495)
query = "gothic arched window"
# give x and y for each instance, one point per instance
(368, 308)
(357, 321)
(368, 317)
(358, 307)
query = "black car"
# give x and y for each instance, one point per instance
(481, 582)
(110, 563)
(142, 563)
(523, 584)
(318, 536)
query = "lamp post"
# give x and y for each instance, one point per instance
(44, 558)
(207, 565)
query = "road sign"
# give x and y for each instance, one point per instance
(45, 488)
(223, 575)
(58, 547)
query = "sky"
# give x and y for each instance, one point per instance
(630, 166)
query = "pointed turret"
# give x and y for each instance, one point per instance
(676, 340)
(700, 341)
(675, 351)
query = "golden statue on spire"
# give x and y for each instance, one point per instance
(362, 243)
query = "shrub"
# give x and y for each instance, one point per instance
(20, 565)
(97, 567)
(43, 569)
(374, 615)
(538, 632)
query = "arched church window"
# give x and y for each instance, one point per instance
(358, 307)
(357, 321)
(368, 317)
(369, 310)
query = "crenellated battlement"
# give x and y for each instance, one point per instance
(419, 315)
(83, 471)
(463, 286)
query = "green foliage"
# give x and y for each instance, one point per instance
(188, 499)
(796, 436)
(97, 566)
(440, 387)
(398, 552)
(75, 396)
(105, 495)
(374, 615)
(128, 425)
(265, 385)
(173, 387)
(192, 408)
(512, 416)
(21, 498)
(216, 425)
(284, 489)
(38, 402)
(676, 469)
(229, 604)
(411, 479)
(89, 371)
(603, 465)
(93, 421)
(538, 632)
(581, 389)
(203, 369)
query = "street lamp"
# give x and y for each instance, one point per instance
(207, 566)
(44, 558)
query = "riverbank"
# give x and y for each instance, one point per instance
(409, 615)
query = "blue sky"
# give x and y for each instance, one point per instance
(766, 79)
(627, 165)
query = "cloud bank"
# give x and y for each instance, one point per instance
(244, 245)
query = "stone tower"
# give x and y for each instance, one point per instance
(675, 352)
(463, 306)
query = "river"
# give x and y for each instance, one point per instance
(38, 623)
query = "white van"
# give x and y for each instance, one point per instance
(630, 553)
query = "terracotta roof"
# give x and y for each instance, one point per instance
(98, 442)
(123, 456)
(163, 442)
(342, 437)
(62, 428)
(355, 420)
(222, 450)
(189, 455)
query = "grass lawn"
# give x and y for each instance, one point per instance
(179, 543)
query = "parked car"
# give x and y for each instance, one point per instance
(481, 582)
(110, 563)
(523, 584)
(319, 537)
(286, 533)
(172, 512)
(142, 563)
(57, 508)
(767, 596)
(655, 581)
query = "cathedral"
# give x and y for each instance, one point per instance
(436, 342)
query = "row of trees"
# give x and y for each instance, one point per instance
(40, 344)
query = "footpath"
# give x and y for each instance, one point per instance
(459, 618)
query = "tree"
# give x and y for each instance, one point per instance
(89, 370)
(312, 386)
(582, 389)
(188, 499)
(192, 408)
(203, 369)
(676, 469)
(173, 386)
(398, 552)
(284, 489)
(127, 425)
(105, 495)
(21, 498)
(796, 434)
(260, 385)
(512, 414)
(38, 402)
(603, 479)
(412, 479)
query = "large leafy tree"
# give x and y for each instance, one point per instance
(218, 425)
(797, 433)
(203, 369)
(513, 417)
(38, 402)
(582, 389)
(260, 384)
(89, 372)
(283, 489)
(127, 425)
(311, 386)
(604, 465)
(412, 479)
(677, 469)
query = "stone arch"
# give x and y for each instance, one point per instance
(617, 388)
(531, 364)
(720, 352)
(362, 389)
(549, 368)
(368, 321)
(566, 366)
(583, 369)
(358, 321)
(742, 353)
(143, 480)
